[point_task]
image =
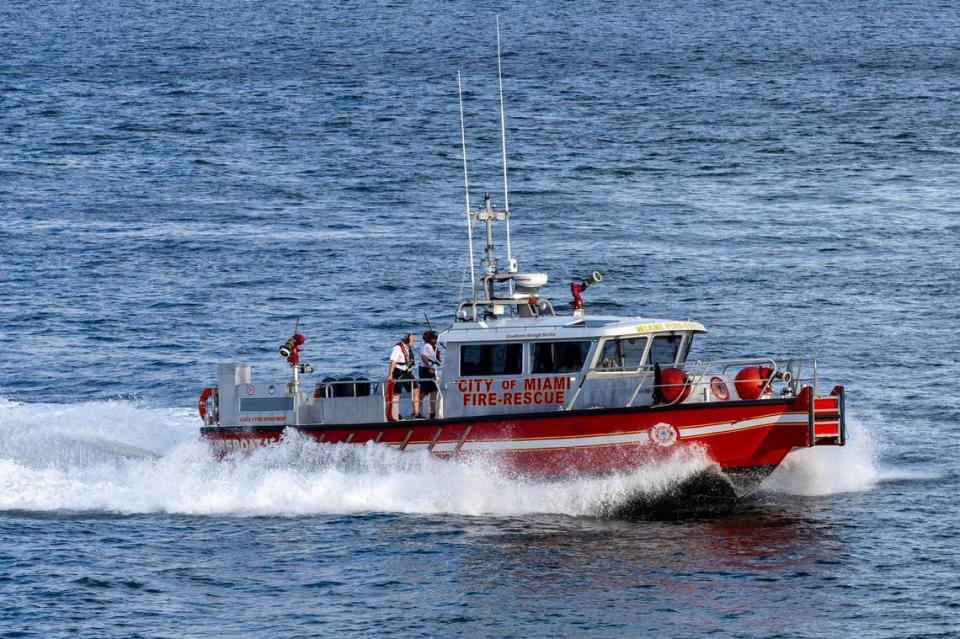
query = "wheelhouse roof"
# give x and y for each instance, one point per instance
(562, 327)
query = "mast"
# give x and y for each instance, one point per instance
(466, 191)
(487, 214)
(503, 148)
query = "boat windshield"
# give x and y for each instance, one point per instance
(624, 354)
(664, 350)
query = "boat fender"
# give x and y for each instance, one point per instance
(750, 382)
(674, 385)
(766, 373)
(205, 396)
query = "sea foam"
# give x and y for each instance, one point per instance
(829, 470)
(125, 458)
(120, 456)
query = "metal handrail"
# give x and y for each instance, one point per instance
(436, 382)
(636, 391)
(376, 387)
(547, 311)
(701, 370)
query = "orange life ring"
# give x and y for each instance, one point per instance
(205, 396)
(719, 388)
(388, 400)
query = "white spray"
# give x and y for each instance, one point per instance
(126, 458)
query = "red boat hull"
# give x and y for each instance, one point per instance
(747, 440)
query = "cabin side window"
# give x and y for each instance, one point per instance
(558, 357)
(663, 350)
(491, 359)
(622, 354)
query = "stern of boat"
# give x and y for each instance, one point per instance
(826, 417)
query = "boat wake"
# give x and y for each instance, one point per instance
(121, 457)
(828, 470)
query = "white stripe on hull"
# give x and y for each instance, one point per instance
(565, 442)
(769, 420)
(624, 438)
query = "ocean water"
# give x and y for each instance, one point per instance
(179, 182)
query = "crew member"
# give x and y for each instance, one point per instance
(400, 371)
(429, 362)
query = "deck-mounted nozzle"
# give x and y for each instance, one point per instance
(291, 348)
(291, 351)
(593, 278)
(577, 289)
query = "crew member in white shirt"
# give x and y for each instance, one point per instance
(400, 371)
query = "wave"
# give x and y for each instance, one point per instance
(831, 470)
(123, 457)
(120, 457)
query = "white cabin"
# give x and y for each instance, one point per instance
(537, 364)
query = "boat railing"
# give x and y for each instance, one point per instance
(467, 310)
(360, 399)
(791, 372)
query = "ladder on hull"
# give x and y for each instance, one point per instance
(826, 418)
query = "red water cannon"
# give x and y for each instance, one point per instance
(577, 289)
(291, 348)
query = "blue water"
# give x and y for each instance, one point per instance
(180, 181)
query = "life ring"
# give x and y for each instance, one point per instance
(388, 400)
(719, 388)
(205, 396)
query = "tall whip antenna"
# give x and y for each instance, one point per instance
(503, 146)
(466, 189)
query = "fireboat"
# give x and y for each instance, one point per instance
(545, 393)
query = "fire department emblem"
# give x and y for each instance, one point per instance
(663, 434)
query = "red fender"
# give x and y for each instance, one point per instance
(750, 382)
(674, 385)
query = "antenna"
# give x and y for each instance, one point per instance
(466, 188)
(503, 146)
